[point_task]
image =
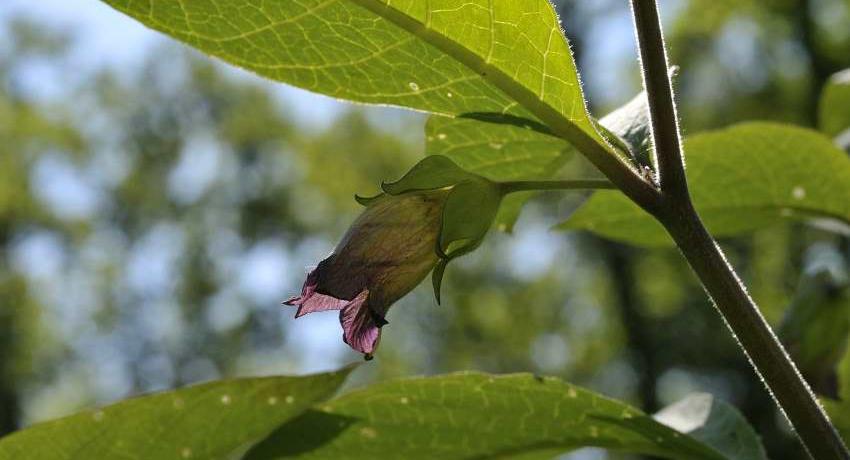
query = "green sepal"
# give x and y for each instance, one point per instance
(468, 214)
(437, 277)
(367, 200)
(433, 172)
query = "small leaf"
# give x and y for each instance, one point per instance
(715, 423)
(467, 216)
(208, 421)
(431, 173)
(742, 178)
(474, 415)
(631, 123)
(834, 105)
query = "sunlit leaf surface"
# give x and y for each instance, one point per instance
(476, 57)
(742, 178)
(209, 421)
(470, 416)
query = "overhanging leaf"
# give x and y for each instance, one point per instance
(741, 178)
(440, 56)
(499, 152)
(209, 421)
(834, 105)
(715, 423)
(473, 415)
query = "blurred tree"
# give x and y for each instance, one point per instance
(151, 221)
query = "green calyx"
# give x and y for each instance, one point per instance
(469, 207)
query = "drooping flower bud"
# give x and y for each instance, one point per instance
(436, 212)
(385, 253)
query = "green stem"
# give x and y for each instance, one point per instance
(532, 185)
(676, 212)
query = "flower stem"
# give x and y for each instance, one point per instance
(580, 184)
(677, 214)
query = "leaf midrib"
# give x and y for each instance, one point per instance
(565, 128)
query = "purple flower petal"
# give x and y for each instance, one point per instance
(311, 301)
(360, 325)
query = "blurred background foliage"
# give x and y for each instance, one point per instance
(154, 214)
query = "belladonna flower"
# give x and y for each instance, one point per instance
(434, 213)
(385, 253)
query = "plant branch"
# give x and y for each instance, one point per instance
(659, 92)
(678, 215)
(580, 184)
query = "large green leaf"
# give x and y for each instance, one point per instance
(834, 106)
(472, 416)
(715, 423)
(209, 421)
(477, 57)
(742, 178)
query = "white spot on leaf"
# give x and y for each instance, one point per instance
(441, 136)
(225, 399)
(798, 193)
(404, 400)
(413, 86)
(186, 452)
(572, 392)
(368, 432)
(449, 94)
(272, 400)
(289, 399)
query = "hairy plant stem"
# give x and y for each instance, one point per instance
(676, 212)
(532, 185)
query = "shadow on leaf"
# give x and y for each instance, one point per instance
(302, 434)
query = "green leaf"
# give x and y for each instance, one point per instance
(209, 421)
(497, 151)
(715, 423)
(476, 58)
(834, 106)
(816, 326)
(631, 123)
(839, 411)
(473, 415)
(741, 178)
